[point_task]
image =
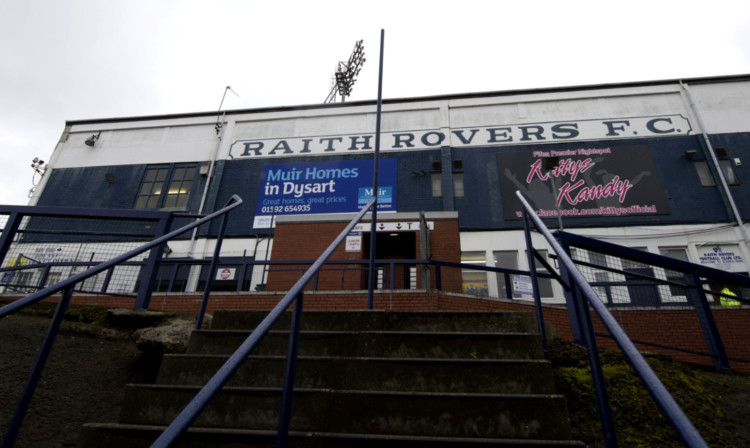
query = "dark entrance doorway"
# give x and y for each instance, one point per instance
(392, 246)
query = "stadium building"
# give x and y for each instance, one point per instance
(659, 166)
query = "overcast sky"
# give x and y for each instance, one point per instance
(86, 59)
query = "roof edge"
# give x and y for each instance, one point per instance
(542, 90)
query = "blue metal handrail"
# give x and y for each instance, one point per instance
(67, 286)
(677, 418)
(191, 411)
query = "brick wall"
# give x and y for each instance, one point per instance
(307, 240)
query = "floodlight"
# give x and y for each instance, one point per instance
(91, 141)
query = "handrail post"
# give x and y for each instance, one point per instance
(508, 286)
(697, 296)
(36, 371)
(438, 277)
(572, 298)
(107, 279)
(282, 437)
(392, 280)
(535, 283)
(211, 272)
(148, 271)
(45, 275)
(9, 232)
(376, 165)
(586, 332)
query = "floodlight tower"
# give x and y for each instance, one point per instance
(346, 74)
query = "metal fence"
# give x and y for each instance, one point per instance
(40, 246)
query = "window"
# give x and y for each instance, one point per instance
(545, 284)
(507, 259)
(728, 172)
(458, 178)
(458, 185)
(678, 253)
(166, 187)
(641, 290)
(704, 174)
(437, 188)
(601, 276)
(725, 164)
(474, 282)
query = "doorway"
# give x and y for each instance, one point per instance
(392, 246)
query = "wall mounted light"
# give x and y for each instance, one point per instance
(418, 173)
(689, 154)
(109, 177)
(91, 141)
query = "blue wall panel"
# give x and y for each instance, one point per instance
(480, 208)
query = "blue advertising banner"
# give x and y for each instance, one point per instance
(322, 187)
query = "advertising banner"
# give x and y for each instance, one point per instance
(323, 187)
(583, 182)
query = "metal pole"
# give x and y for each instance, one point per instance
(266, 256)
(211, 273)
(535, 283)
(282, 436)
(36, 371)
(376, 165)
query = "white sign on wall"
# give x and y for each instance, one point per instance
(522, 285)
(354, 242)
(225, 273)
(726, 258)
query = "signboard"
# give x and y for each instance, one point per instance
(593, 181)
(354, 242)
(225, 273)
(726, 258)
(492, 135)
(324, 187)
(394, 226)
(522, 285)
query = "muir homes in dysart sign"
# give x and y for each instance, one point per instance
(516, 134)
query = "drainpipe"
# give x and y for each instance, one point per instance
(220, 132)
(219, 135)
(729, 201)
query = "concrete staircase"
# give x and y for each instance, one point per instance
(416, 379)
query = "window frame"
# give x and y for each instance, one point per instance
(726, 166)
(158, 189)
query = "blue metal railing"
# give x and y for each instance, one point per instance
(66, 287)
(191, 411)
(693, 282)
(585, 297)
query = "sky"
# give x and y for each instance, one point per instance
(90, 59)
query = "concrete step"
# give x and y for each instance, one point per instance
(515, 416)
(472, 345)
(378, 374)
(417, 321)
(363, 379)
(114, 435)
